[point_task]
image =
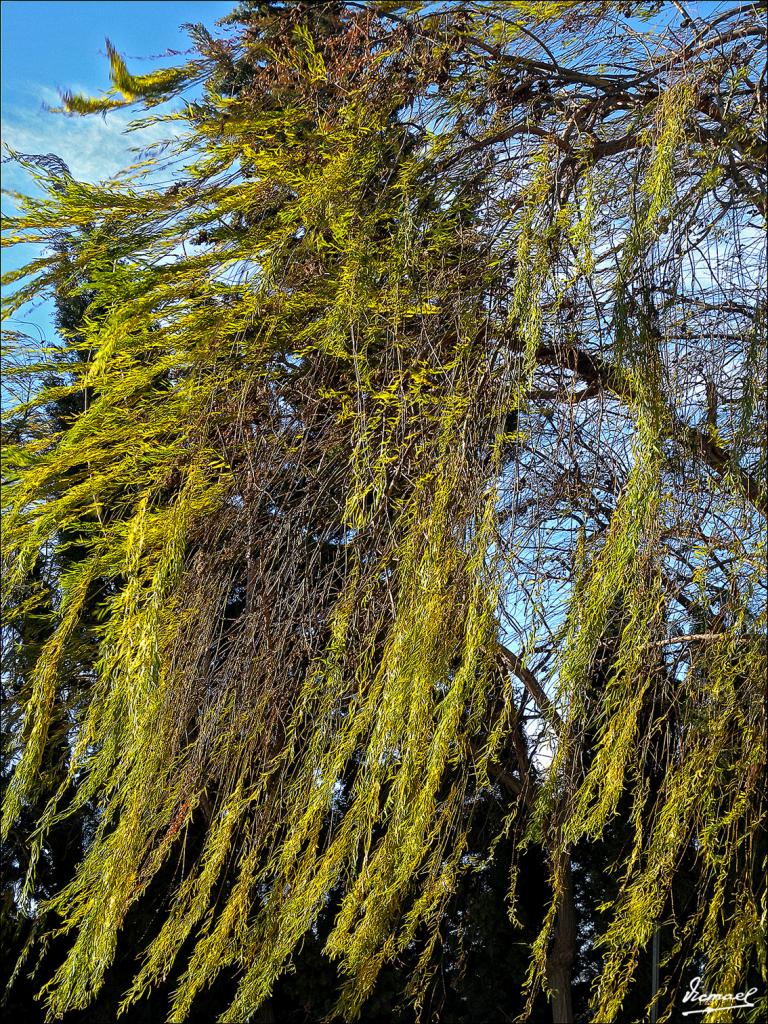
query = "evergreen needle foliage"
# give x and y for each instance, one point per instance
(424, 393)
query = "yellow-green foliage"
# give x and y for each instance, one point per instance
(296, 369)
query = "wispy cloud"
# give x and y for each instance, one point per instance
(93, 147)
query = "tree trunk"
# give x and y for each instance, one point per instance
(561, 955)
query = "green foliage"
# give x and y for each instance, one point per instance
(318, 384)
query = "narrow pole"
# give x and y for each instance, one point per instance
(655, 973)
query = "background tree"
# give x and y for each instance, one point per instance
(437, 365)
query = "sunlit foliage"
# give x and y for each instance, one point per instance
(428, 346)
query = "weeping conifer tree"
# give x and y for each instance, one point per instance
(435, 369)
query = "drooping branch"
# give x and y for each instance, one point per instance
(602, 375)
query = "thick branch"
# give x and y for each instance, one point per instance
(515, 664)
(596, 372)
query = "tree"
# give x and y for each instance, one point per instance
(435, 371)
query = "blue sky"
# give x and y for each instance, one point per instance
(59, 44)
(51, 45)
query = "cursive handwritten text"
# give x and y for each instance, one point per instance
(714, 1001)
